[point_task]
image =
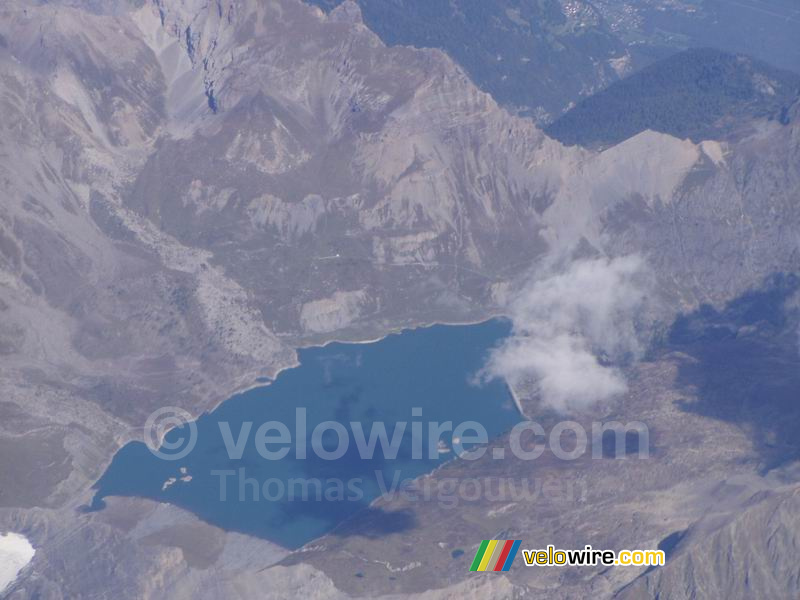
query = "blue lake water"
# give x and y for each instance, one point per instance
(428, 369)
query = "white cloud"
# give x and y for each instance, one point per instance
(568, 327)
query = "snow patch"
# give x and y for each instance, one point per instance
(15, 553)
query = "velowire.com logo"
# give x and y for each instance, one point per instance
(495, 555)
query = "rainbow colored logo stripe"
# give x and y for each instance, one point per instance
(495, 555)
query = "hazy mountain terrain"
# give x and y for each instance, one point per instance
(542, 57)
(701, 94)
(535, 56)
(763, 29)
(192, 190)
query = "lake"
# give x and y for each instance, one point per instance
(316, 478)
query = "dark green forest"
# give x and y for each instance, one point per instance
(698, 94)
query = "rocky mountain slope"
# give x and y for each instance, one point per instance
(193, 189)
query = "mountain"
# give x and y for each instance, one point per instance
(193, 190)
(532, 56)
(701, 94)
(543, 57)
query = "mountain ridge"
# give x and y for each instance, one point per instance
(698, 94)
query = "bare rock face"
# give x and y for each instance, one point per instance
(334, 313)
(745, 557)
(192, 189)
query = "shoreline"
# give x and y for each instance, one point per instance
(242, 389)
(394, 331)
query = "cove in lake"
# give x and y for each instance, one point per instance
(431, 368)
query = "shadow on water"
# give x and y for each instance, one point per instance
(373, 522)
(744, 365)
